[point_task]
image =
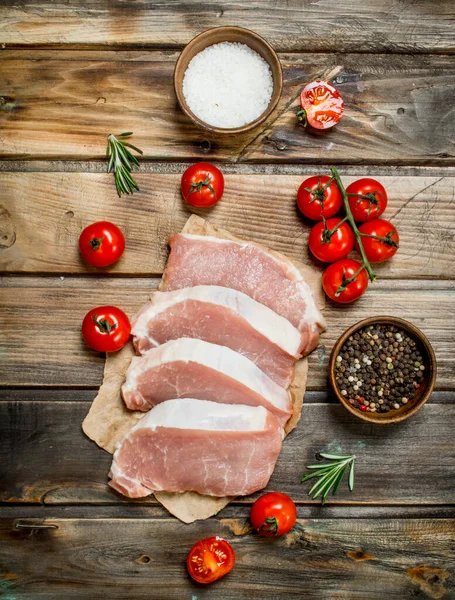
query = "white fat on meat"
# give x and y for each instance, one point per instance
(223, 316)
(195, 445)
(267, 277)
(194, 368)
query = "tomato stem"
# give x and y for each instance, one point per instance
(353, 225)
(270, 525)
(301, 115)
(385, 240)
(348, 281)
(104, 325)
(196, 186)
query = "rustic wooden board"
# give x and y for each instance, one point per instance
(40, 322)
(352, 25)
(47, 459)
(64, 107)
(41, 236)
(139, 558)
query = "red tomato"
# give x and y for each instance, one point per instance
(202, 185)
(273, 514)
(316, 199)
(335, 277)
(330, 248)
(106, 329)
(369, 200)
(210, 559)
(380, 240)
(322, 105)
(101, 244)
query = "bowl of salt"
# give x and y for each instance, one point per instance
(228, 80)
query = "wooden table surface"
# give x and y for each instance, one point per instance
(72, 72)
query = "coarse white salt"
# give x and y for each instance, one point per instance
(228, 85)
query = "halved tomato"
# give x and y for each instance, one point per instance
(210, 559)
(321, 105)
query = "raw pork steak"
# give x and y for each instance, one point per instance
(267, 277)
(191, 368)
(221, 316)
(195, 445)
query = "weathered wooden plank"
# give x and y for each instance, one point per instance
(47, 459)
(41, 235)
(40, 323)
(342, 559)
(63, 108)
(352, 25)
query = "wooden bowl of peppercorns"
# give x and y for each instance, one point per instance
(382, 370)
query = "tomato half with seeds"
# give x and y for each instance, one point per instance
(273, 514)
(369, 200)
(321, 105)
(380, 240)
(345, 281)
(319, 197)
(106, 329)
(202, 185)
(210, 559)
(329, 244)
(101, 244)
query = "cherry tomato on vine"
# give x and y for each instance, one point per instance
(379, 250)
(336, 281)
(101, 244)
(210, 559)
(202, 185)
(330, 248)
(106, 328)
(273, 514)
(316, 199)
(370, 201)
(321, 105)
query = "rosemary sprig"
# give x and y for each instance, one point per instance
(121, 162)
(329, 475)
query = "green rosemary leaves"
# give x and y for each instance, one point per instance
(121, 163)
(329, 475)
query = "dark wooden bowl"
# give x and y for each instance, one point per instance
(426, 387)
(228, 34)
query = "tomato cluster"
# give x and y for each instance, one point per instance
(334, 237)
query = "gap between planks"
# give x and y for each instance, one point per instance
(178, 167)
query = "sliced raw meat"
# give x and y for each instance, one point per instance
(221, 316)
(191, 368)
(267, 277)
(195, 445)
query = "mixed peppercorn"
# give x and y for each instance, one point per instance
(379, 368)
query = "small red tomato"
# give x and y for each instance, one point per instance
(106, 329)
(210, 559)
(337, 284)
(202, 185)
(369, 200)
(330, 248)
(101, 244)
(273, 514)
(380, 240)
(321, 105)
(316, 199)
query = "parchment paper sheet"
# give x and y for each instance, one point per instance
(109, 420)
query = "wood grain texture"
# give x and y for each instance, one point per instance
(422, 26)
(40, 322)
(41, 236)
(64, 107)
(120, 558)
(47, 459)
